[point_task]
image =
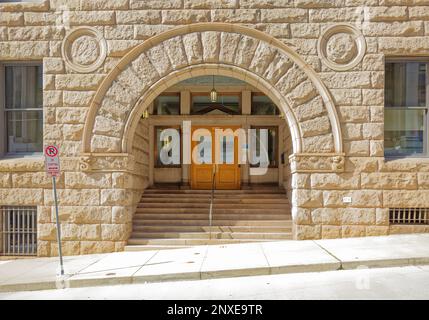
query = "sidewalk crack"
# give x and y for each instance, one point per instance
(331, 254)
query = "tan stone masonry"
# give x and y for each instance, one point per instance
(335, 118)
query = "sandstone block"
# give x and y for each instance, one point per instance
(69, 248)
(307, 232)
(357, 148)
(210, 4)
(81, 180)
(156, 4)
(91, 247)
(90, 232)
(353, 231)
(382, 216)
(331, 232)
(376, 148)
(71, 197)
(234, 15)
(115, 232)
(104, 5)
(83, 214)
(284, 15)
(372, 231)
(46, 231)
(326, 181)
(78, 82)
(360, 198)
(326, 216)
(350, 114)
(389, 180)
(122, 215)
(116, 197)
(353, 216)
(405, 198)
(71, 115)
(11, 19)
(91, 18)
(21, 197)
(316, 126)
(301, 216)
(394, 13)
(307, 198)
(185, 16)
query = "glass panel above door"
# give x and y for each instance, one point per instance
(262, 105)
(167, 104)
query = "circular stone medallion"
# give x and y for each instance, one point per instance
(341, 47)
(84, 49)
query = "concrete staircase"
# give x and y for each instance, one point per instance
(173, 218)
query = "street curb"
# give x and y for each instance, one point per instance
(215, 274)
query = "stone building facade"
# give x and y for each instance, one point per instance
(323, 63)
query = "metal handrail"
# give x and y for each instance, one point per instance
(211, 203)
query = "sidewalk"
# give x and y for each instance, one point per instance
(208, 262)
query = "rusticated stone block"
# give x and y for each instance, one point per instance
(360, 198)
(404, 198)
(91, 247)
(331, 232)
(307, 198)
(389, 180)
(115, 232)
(353, 231)
(69, 248)
(326, 216)
(326, 181)
(307, 232)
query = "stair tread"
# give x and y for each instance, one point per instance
(178, 218)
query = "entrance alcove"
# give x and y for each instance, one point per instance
(115, 128)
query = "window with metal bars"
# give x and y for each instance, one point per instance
(18, 236)
(414, 216)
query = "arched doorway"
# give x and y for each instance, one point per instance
(213, 49)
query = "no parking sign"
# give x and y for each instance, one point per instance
(52, 161)
(52, 164)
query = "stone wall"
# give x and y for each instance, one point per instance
(98, 192)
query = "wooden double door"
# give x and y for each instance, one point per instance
(214, 158)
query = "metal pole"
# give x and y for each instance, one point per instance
(60, 253)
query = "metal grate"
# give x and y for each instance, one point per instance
(18, 236)
(409, 215)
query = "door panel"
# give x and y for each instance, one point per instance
(227, 171)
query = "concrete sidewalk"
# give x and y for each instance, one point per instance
(207, 262)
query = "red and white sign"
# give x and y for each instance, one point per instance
(52, 161)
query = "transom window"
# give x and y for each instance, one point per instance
(406, 108)
(22, 109)
(167, 104)
(262, 105)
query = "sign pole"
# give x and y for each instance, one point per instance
(60, 253)
(52, 164)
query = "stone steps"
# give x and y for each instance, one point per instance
(205, 228)
(219, 223)
(169, 218)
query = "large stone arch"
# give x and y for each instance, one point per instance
(213, 48)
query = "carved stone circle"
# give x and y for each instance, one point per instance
(84, 49)
(341, 47)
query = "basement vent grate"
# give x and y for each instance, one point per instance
(409, 215)
(18, 231)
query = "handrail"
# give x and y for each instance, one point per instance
(211, 203)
